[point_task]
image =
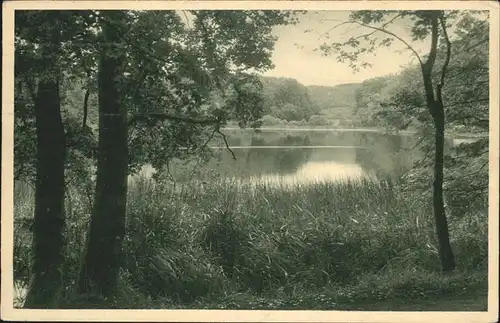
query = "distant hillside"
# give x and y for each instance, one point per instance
(339, 96)
(326, 97)
(335, 102)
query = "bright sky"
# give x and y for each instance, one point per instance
(310, 68)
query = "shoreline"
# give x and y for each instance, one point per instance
(369, 130)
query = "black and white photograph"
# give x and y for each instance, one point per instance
(274, 156)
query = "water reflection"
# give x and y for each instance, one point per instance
(313, 172)
(288, 157)
(283, 157)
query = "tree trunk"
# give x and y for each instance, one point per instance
(48, 224)
(445, 252)
(99, 274)
(436, 109)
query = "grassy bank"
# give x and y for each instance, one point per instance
(224, 245)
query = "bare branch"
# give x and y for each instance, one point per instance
(350, 30)
(341, 23)
(476, 44)
(467, 102)
(482, 121)
(466, 70)
(381, 29)
(225, 142)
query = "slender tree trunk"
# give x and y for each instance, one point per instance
(49, 197)
(445, 252)
(101, 265)
(436, 109)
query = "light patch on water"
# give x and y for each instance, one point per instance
(314, 172)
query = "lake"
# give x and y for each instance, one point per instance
(287, 156)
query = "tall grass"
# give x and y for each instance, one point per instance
(233, 245)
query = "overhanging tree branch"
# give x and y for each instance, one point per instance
(482, 121)
(467, 102)
(225, 142)
(381, 29)
(341, 23)
(476, 44)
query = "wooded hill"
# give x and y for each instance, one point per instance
(288, 99)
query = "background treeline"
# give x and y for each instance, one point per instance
(397, 100)
(393, 100)
(287, 101)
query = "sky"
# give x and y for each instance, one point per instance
(310, 68)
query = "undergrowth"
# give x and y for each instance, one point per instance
(231, 245)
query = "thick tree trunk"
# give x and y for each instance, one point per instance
(49, 198)
(101, 265)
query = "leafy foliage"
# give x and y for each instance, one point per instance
(398, 101)
(76, 62)
(287, 99)
(192, 83)
(173, 69)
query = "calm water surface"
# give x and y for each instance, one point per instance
(282, 156)
(288, 156)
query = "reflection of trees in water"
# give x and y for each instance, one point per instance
(386, 154)
(333, 138)
(257, 141)
(284, 137)
(382, 153)
(367, 160)
(295, 140)
(277, 139)
(259, 161)
(395, 142)
(289, 161)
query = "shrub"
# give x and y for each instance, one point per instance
(318, 120)
(268, 120)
